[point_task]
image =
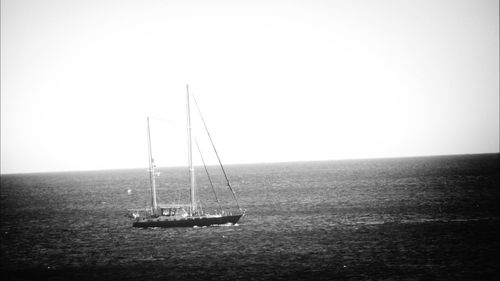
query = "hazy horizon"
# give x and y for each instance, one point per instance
(198, 166)
(277, 81)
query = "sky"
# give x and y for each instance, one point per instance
(276, 80)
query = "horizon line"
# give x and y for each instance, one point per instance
(253, 163)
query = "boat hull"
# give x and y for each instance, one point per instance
(186, 222)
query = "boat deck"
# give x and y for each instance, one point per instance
(189, 221)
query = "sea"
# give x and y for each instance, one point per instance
(421, 218)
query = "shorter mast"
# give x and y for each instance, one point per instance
(190, 155)
(152, 181)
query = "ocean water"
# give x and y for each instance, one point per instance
(427, 218)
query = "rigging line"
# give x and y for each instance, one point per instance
(208, 175)
(166, 122)
(161, 119)
(151, 171)
(215, 150)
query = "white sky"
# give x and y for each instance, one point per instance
(276, 80)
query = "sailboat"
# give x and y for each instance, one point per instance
(183, 215)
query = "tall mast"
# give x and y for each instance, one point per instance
(190, 155)
(152, 181)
